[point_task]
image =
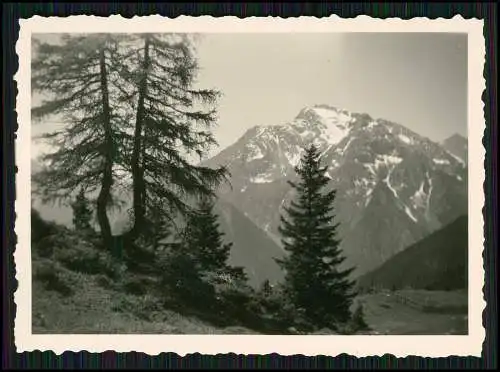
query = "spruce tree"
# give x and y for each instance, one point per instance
(74, 76)
(170, 125)
(204, 243)
(314, 280)
(198, 265)
(82, 213)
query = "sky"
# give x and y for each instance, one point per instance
(418, 80)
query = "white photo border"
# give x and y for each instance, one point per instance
(310, 345)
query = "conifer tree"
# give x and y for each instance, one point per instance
(82, 214)
(266, 287)
(168, 126)
(198, 265)
(205, 245)
(74, 76)
(314, 280)
(358, 319)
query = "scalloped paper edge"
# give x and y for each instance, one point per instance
(311, 345)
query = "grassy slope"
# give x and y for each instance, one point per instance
(78, 289)
(94, 309)
(386, 314)
(66, 300)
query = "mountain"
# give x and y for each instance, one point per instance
(457, 145)
(252, 247)
(437, 262)
(394, 187)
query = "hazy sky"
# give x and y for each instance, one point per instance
(418, 80)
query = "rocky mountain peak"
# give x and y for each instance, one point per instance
(387, 176)
(457, 145)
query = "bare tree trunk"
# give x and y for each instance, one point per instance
(107, 176)
(137, 165)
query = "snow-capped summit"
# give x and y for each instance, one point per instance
(394, 186)
(323, 124)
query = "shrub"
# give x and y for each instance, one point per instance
(39, 227)
(53, 278)
(137, 285)
(103, 281)
(358, 322)
(77, 254)
(237, 303)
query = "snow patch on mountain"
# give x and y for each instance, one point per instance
(419, 198)
(387, 181)
(441, 161)
(460, 160)
(405, 139)
(324, 124)
(388, 161)
(307, 134)
(408, 212)
(347, 145)
(262, 178)
(428, 201)
(255, 153)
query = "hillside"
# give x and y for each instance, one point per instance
(437, 262)
(79, 288)
(252, 248)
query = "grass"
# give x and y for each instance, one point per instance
(386, 314)
(71, 296)
(102, 310)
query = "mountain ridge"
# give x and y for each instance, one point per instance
(362, 155)
(437, 262)
(394, 187)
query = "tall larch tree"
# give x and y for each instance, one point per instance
(171, 124)
(314, 280)
(73, 76)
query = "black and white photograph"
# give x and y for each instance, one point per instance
(253, 183)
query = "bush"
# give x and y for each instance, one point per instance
(358, 322)
(104, 282)
(138, 285)
(77, 254)
(53, 277)
(40, 228)
(278, 313)
(237, 303)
